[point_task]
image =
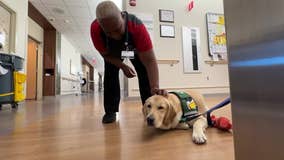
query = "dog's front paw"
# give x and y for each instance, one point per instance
(199, 137)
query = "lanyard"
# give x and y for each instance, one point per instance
(126, 31)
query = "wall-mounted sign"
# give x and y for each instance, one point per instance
(216, 35)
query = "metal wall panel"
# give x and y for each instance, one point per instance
(255, 32)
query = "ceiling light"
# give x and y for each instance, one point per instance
(51, 19)
(66, 21)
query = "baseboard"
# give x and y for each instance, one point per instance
(216, 94)
(131, 98)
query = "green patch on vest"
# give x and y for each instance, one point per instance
(189, 108)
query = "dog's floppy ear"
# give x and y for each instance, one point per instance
(170, 115)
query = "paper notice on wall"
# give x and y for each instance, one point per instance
(217, 40)
(148, 21)
(215, 57)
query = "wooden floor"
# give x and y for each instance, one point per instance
(70, 128)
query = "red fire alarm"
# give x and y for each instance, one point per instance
(94, 60)
(132, 3)
(190, 5)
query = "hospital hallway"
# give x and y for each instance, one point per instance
(70, 128)
(59, 58)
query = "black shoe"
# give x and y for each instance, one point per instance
(109, 118)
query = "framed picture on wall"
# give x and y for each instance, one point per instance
(166, 15)
(7, 26)
(167, 31)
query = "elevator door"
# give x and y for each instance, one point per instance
(255, 33)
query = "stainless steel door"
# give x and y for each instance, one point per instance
(255, 32)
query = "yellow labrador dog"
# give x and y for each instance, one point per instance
(167, 113)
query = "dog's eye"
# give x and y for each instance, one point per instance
(160, 107)
(149, 106)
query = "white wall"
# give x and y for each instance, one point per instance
(21, 9)
(36, 32)
(212, 79)
(68, 52)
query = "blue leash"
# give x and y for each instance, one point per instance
(220, 105)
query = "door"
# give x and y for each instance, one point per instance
(32, 70)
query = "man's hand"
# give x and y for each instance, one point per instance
(158, 91)
(128, 72)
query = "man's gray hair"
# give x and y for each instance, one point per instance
(107, 9)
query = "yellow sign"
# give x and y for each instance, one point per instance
(191, 105)
(221, 20)
(220, 39)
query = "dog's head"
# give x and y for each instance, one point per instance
(158, 111)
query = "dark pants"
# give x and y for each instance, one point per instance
(112, 87)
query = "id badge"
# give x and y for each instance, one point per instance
(127, 54)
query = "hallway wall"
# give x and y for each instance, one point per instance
(70, 66)
(212, 79)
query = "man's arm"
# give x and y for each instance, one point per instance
(149, 60)
(129, 72)
(111, 59)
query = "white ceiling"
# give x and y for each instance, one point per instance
(74, 23)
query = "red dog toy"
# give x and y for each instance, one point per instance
(221, 123)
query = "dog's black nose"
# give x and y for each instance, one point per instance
(150, 121)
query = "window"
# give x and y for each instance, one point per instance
(7, 29)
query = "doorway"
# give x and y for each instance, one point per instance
(32, 62)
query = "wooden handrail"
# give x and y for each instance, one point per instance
(70, 79)
(170, 62)
(216, 62)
